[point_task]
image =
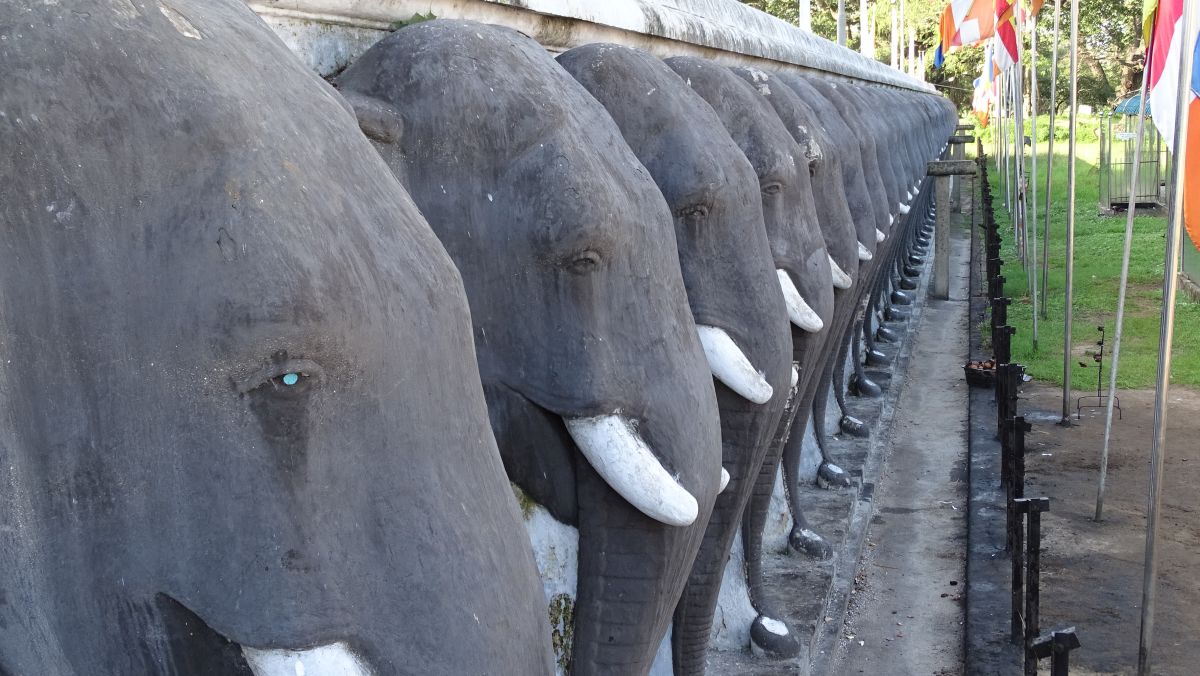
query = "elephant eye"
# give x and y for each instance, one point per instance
(771, 189)
(694, 212)
(282, 377)
(290, 379)
(584, 262)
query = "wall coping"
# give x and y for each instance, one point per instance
(726, 31)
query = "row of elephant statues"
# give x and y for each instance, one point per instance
(275, 351)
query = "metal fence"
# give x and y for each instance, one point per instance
(1118, 133)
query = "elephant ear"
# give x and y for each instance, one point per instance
(378, 119)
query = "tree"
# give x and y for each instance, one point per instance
(1110, 45)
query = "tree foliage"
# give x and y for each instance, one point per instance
(1110, 45)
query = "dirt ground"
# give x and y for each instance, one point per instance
(1092, 571)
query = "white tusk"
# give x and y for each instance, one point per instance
(910, 193)
(334, 659)
(864, 254)
(891, 219)
(731, 366)
(795, 374)
(799, 311)
(621, 457)
(904, 208)
(841, 280)
(879, 236)
(724, 480)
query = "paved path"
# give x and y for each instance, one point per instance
(906, 614)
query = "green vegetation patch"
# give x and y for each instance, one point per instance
(1098, 244)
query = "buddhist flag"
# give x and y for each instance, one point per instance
(1163, 57)
(1006, 36)
(985, 89)
(964, 23)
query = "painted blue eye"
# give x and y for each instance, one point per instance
(291, 378)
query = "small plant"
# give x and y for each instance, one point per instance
(414, 19)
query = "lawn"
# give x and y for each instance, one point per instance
(1098, 245)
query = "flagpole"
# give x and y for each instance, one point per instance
(1019, 139)
(1004, 135)
(841, 23)
(1033, 222)
(1050, 159)
(1166, 335)
(1070, 257)
(1116, 346)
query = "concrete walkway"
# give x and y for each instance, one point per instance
(907, 609)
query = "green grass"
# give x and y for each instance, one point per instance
(1098, 246)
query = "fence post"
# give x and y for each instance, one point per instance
(943, 171)
(1033, 570)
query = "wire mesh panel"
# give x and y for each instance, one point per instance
(1118, 140)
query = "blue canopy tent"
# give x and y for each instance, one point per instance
(1118, 133)
(1130, 106)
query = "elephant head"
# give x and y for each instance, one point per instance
(243, 427)
(844, 143)
(821, 94)
(732, 285)
(596, 379)
(789, 213)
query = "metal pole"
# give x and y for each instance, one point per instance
(1018, 89)
(1165, 336)
(805, 15)
(1050, 158)
(1004, 112)
(841, 23)
(863, 27)
(1033, 222)
(1116, 346)
(1070, 257)
(894, 43)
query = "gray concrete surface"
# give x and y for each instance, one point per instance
(907, 608)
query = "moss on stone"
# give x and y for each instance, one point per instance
(525, 502)
(415, 18)
(562, 629)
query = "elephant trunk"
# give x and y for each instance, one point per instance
(745, 432)
(631, 572)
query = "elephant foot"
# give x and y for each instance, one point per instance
(805, 541)
(895, 314)
(770, 637)
(912, 271)
(916, 260)
(864, 387)
(907, 284)
(901, 298)
(853, 426)
(831, 476)
(885, 335)
(877, 358)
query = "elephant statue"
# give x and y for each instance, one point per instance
(596, 380)
(733, 288)
(800, 252)
(244, 431)
(842, 141)
(829, 98)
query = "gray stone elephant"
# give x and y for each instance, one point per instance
(732, 283)
(596, 379)
(243, 426)
(791, 216)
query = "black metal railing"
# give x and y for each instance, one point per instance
(1023, 531)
